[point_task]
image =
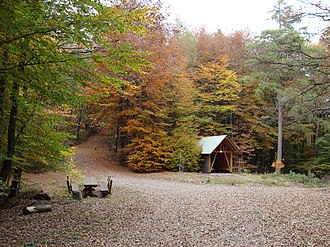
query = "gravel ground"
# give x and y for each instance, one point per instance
(158, 210)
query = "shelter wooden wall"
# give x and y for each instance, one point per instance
(220, 160)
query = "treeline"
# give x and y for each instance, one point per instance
(155, 88)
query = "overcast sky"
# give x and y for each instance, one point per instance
(226, 15)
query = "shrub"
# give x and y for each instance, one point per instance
(149, 154)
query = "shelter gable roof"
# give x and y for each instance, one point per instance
(210, 143)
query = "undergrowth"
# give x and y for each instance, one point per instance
(271, 179)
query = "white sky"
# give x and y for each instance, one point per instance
(226, 15)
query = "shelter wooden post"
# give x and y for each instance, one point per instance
(231, 162)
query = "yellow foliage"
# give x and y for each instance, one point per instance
(68, 152)
(278, 164)
(72, 170)
(218, 82)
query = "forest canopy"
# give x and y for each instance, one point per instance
(155, 88)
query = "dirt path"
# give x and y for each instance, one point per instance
(93, 158)
(157, 210)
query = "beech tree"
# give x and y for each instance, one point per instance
(218, 89)
(47, 49)
(157, 117)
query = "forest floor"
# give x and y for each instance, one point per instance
(167, 209)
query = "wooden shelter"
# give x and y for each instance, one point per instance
(217, 154)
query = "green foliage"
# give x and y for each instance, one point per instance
(284, 14)
(71, 170)
(284, 68)
(308, 179)
(185, 151)
(184, 131)
(3, 188)
(321, 165)
(292, 178)
(48, 51)
(41, 146)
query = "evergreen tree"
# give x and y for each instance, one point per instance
(285, 65)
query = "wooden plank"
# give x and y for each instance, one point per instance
(215, 156)
(104, 186)
(68, 183)
(90, 181)
(231, 162)
(222, 152)
(74, 187)
(226, 157)
(109, 184)
(76, 193)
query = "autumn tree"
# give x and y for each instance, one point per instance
(210, 46)
(183, 121)
(47, 50)
(163, 90)
(184, 128)
(218, 89)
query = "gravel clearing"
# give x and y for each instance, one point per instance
(157, 210)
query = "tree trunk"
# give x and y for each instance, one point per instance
(279, 137)
(117, 135)
(2, 110)
(7, 165)
(3, 84)
(16, 182)
(79, 123)
(316, 137)
(118, 125)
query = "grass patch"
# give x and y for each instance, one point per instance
(226, 180)
(291, 179)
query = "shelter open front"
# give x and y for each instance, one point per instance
(217, 154)
(221, 163)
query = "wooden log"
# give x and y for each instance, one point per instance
(37, 209)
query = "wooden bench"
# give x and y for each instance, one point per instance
(74, 187)
(106, 187)
(90, 185)
(76, 193)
